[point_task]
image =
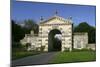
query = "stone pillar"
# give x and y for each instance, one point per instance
(62, 47)
(46, 48)
(32, 32)
(70, 49)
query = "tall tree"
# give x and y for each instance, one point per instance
(31, 25)
(18, 32)
(82, 27)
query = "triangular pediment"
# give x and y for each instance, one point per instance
(55, 20)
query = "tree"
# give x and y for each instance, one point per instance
(92, 35)
(31, 25)
(84, 27)
(18, 32)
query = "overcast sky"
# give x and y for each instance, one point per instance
(34, 10)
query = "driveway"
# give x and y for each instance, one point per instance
(43, 58)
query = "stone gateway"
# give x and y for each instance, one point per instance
(56, 34)
(53, 26)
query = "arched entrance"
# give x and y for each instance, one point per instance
(54, 40)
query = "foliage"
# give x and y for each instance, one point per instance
(84, 27)
(16, 45)
(31, 25)
(18, 32)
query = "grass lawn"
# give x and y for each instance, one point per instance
(21, 54)
(66, 57)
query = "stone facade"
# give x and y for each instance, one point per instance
(92, 46)
(61, 24)
(31, 39)
(64, 26)
(80, 40)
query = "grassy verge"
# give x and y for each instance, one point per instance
(66, 57)
(21, 54)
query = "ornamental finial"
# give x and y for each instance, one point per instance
(41, 18)
(56, 12)
(70, 18)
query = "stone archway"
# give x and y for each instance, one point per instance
(54, 40)
(52, 26)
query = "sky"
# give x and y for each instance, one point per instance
(34, 10)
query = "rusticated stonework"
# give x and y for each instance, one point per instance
(64, 29)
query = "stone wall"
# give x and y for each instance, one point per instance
(32, 39)
(66, 31)
(92, 46)
(80, 40)
(61, 24)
